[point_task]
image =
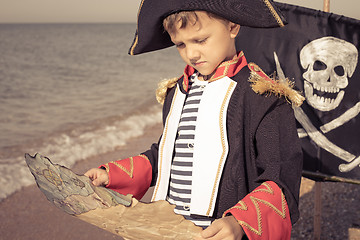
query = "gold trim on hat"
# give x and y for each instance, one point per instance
(274, 13)
(137, 30)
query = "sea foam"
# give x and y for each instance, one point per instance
(67, 148)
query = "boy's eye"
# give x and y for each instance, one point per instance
(180, 45)
(201, 41)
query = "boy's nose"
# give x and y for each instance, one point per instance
(193, 54)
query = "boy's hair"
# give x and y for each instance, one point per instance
(181, 20)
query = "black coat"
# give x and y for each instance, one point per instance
(263, 146)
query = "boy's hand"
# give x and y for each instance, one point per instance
(226, 228)
(98, 176)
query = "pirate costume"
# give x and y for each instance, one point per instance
(236, 151)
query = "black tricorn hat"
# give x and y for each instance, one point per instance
(150, 34)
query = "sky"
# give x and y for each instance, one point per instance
(35, 11)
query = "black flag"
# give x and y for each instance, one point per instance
(319, 52)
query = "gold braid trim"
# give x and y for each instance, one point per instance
(144, 156)
(278, 87)
(127, 171)
(274, 13)
(163, 86)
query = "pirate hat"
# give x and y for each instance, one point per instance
(150, 34)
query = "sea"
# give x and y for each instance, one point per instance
(71, 91)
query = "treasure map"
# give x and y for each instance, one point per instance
(122, 215)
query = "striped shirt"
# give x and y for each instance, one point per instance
(181, 168)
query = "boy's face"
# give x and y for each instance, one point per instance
(207, 43)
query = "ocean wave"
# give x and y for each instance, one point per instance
(68, 147)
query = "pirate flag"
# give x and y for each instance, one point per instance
(319, 52)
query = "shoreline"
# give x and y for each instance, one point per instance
(27, 214)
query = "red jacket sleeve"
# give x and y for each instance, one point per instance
(130, 176)
(263, 213)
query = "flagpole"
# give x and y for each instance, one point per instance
(317, 204)
(326, 5)
(318, 185)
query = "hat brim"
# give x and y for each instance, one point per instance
(151, 36)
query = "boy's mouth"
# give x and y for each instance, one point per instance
(197, 64)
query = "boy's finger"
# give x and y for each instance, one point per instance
(211, 231)
(96, 182)
(90, 173)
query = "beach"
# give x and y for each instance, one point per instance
(72, 93)
(27, 214)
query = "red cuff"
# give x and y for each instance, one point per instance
(263, 213)
(130, 176)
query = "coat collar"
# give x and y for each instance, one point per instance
(227, 68)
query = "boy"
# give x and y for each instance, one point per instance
(229, 158)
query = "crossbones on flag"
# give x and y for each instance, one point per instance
(319, 52)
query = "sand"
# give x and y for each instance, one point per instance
(28, 215)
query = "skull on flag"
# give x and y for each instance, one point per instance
(327, 71)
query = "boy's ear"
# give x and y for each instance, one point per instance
(234, 29)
